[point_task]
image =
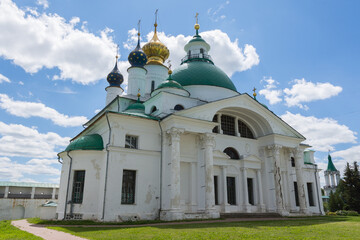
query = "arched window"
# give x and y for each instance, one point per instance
(244, 130)
(152, 86)
(178, 107)
(153, 109)
(201, 50)
(232, 153)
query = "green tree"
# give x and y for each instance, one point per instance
(351, 187)
(335, 202)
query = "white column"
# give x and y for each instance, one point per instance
(6, 193)
(32, 192)
(298, 155)
(246, 204)
(175, 167)
(333, 183)
(136, 81)
(237, 127)
(193, 183)
(224, 187)
(260, 193)
(209, 143)
(327, 180)
(337, 178)
(219, 121)
(53, 193)
(112, 92)
(277, 174)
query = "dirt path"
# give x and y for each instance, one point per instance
(41, 231)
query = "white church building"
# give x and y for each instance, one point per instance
(184, 144)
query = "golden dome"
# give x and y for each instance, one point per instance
(155, 50)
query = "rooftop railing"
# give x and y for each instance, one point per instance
(197, 56)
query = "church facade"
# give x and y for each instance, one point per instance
(184, 145)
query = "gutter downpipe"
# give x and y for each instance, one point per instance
(68, 184)
(161, 163)
(317, 188)
(107, 165)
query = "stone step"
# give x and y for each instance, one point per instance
(250, 215)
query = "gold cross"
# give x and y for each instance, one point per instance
(196, 16)
(156, 12)
(254, 89)
(169, 62)
(117, 51)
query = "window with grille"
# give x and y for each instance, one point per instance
(78, 186)
(232, 153)
(228, 125)
(128, 187)
(310, 194)
(215, 119)
(131, 141)
(231, 191)
(244, 130)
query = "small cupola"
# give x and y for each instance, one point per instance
(137, 58)
(115, 78)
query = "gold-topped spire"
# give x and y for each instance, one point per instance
(155, 50)
(197, 26)
(117, 52)
(139, 28)
(169, 72)
(254, 94)
(138, 94)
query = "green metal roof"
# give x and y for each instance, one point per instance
(331, 167)
(87, 142)
(202, 73)
(197, 38)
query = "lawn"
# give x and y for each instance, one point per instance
(330, 227)
(8, 231)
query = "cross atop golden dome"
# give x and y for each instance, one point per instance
(155, 50)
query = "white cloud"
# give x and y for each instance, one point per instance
(51, 42)
(3, 78)
(21, 83)
(321, 133)
(226, 54)
(349, 155)
(43, 3)
(270, 92)
(22, 141)
(33, 109)
(303, 91)
(18, 172)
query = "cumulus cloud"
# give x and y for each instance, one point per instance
(321, 133)
(3, 78)
(303, 91)
(270, 92)
(18, 172)
(226, 53)
(348, 155)
(21, 141)
(34, 41)
(214, 13)
(33, 109)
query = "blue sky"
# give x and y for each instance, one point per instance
(302, 56)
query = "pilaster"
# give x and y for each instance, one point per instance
(298, 155)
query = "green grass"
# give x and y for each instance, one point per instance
(8, 231)
(330, 227)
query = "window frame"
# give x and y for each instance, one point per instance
(231, 190)
(77, 194)
(128, 200)
(228, 123)
(129, 144)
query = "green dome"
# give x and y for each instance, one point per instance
(170, 84)
(88, 142)
(136, 107)
(202, 73)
